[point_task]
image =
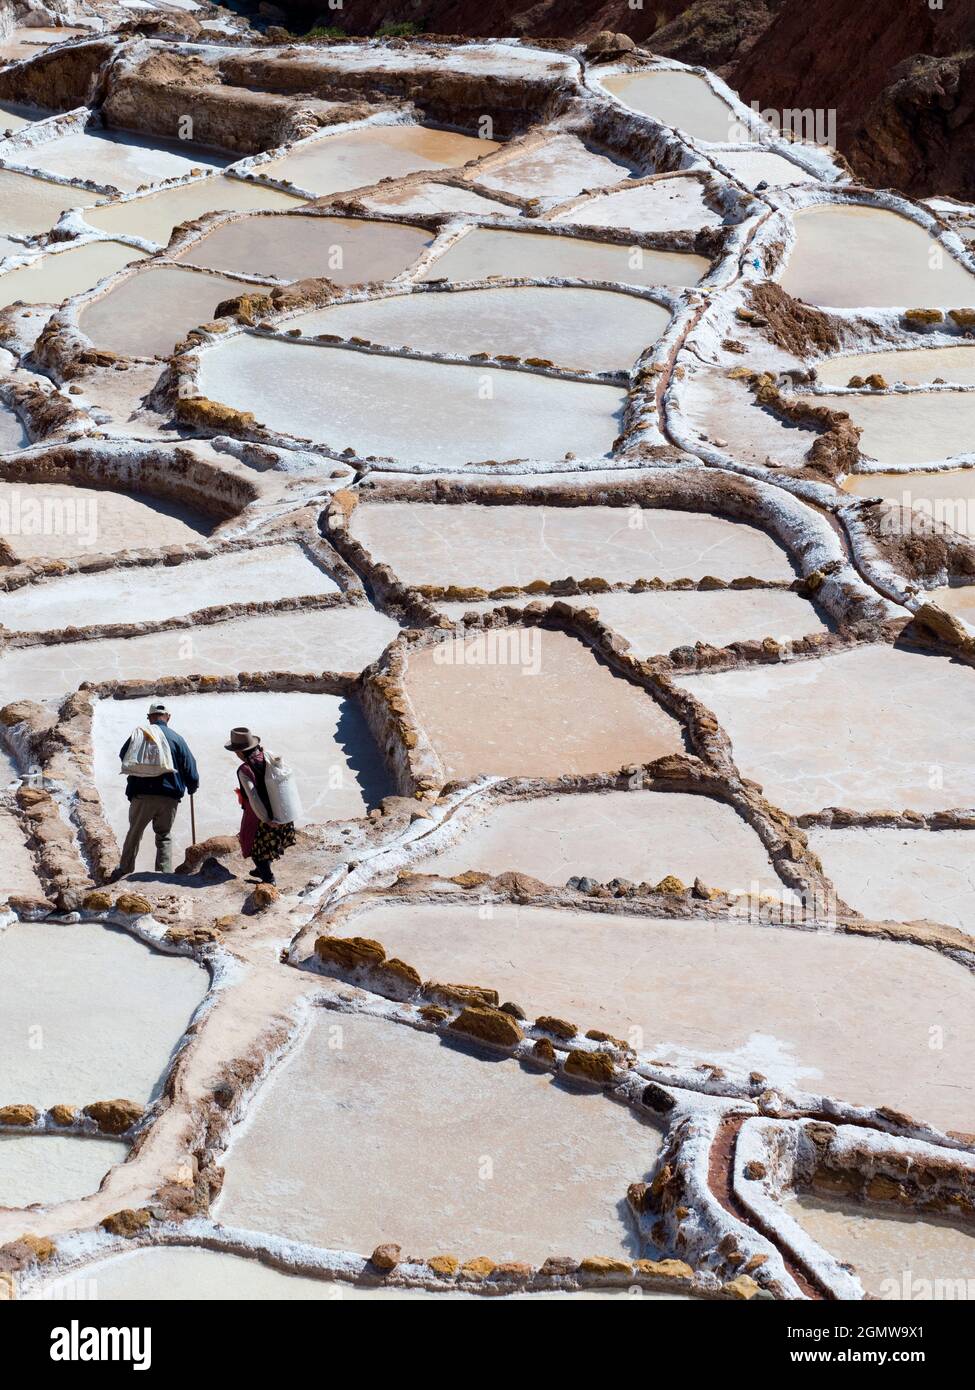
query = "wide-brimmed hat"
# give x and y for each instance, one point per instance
(242, 741)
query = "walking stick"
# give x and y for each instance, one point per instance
(192, 821)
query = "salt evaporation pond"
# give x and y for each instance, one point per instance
(360, 158)
(559, 168)
(52, 1168)
(19, 875)
(752, 167)
(917, 367)
(434, 197)
(490, 546)
(894, 1255)
(111, 1012)
(419, 412)
(12, 433)
(947, 496)
(722, 408)
(888, 873)
(314, 639)
(642, 836)
(676, 98)
(116, 159)
(655, 623)
(29, 205)
(155, 215)
(665, 205)
(346, 249)
(14, 117)
(325, 738)
(55, 520)
(146, 314)
(958, 599)
(150, 593)
(784, 1002)
(847, 256)
(580, 329)
(28, 40)
(915, 428)
(486, 251)
(522, 708)
(53, 278)
(334, 1122)
(861, 728)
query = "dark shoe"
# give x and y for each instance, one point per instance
(264, 873)
(115, 875)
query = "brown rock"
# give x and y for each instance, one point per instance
(265, 895)
(128, 1222)
(386, 1257)
(444, 1265)
(114, 1116)
(132, 904)
(477, 1269)
(40, 1247)
(670, 883)
(63, 1114)
(742, 1286)
(544, 1050)
(559, 1264)
(98, 901)
(602, 1264)
(664, 1269)
(19, 1115)
(350, 952)
(433, 1013)
(559, 1026)
(489, 1026)
(755, 1170)
(595, 1067)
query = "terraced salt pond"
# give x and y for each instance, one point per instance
(146, 314)
(324, 737)
(655, 623)
(53, 278)
(435, 197)
(484, 252)
(724, 412)
(922, 427)
(19, 875)
(116, 159)
(886, 260)
(420, 412)
(12, 433)
(155, 215)
(52, 1168)
(959, 600)
(346, 249)
(581, 329)
(520, 706)
(315, 639)
(129, 1004)
(753, 167)
(334, 1121)
(151, 593)
(895, 1256)
(642, 836)
(491, 546)
(863, 729)
(27, 40)
(30, 205)
(680, 99)
(360, 158)
(919, 367)
(53, 520)
(788, 1003)
(558, 168)
(901, 875)
(947, 496)
(665, 205)
(14, 117)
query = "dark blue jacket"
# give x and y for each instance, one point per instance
(183, 778)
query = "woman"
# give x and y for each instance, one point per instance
(261, 836)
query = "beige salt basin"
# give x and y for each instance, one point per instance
(115, 159)
(324, 738)
(520, 702)
(897, 875)
(559, 168)
(55, 520)
(56, 277)
(19, 875)
(946, 496)
(655, 623)
(49, 1168)
(916, 367)
(434, 197)
(923, 427)
(360, 158)
(146, 314)
(752, 167)
(487, 547)
(153, 592)
(29, 40)
(314, 639)
(895, 1256)
(725, 414)
(636, 835)
(666, 205)
(29, 206)
(155, 215)
(784, 1002)
(871, 729)
(12, 433)
(847, 257)
(89, 1013)
(348, 250)
(14, 117)
(473, 1157)
(959, 600)
(680, 99)
(485, 251)
(581, 329)
(431, 413)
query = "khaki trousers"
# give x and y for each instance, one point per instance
(160, 813)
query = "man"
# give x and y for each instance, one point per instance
(155, 800)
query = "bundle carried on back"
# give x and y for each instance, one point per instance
(148, 753)
(282, 789)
